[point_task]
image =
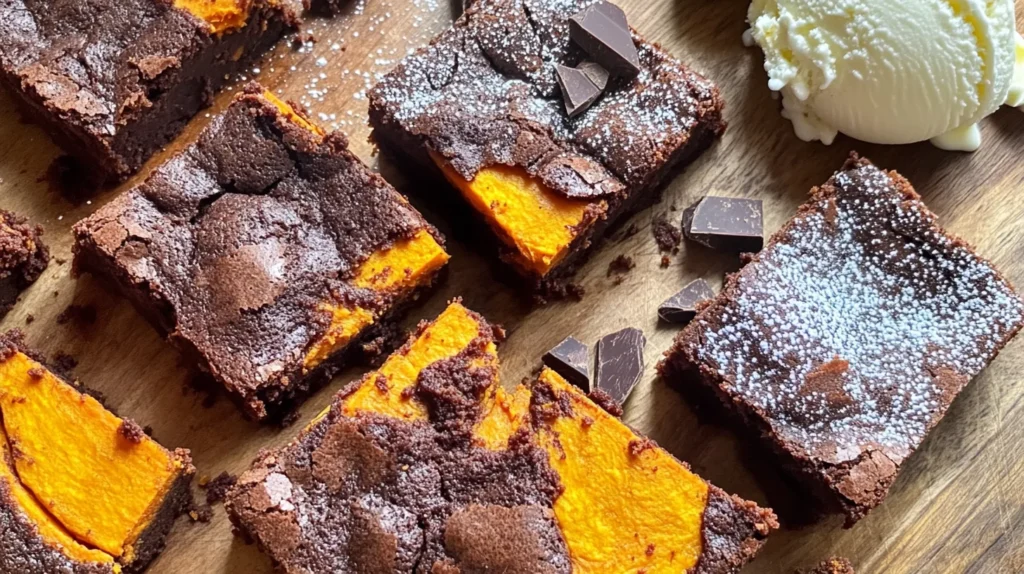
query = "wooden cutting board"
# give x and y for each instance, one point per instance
(958, 506)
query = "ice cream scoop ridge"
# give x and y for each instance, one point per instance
(890, 71)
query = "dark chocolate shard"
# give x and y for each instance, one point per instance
(682, 307)
(601, 29)
(726, 223)
(620, 363)
(596, 73)
(570, 359)
(578, 91)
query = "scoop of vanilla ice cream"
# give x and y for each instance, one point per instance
(889, 71)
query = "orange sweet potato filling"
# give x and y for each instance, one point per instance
(99, 487)
(537, 222)
(401, 267)
(51, 531)
(626, 507)
(221, 15)
(449, 334)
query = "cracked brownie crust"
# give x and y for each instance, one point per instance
(113, 80)
(848, 337)
(233, 247)
(484, 95)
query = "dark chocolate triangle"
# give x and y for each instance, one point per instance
(570, 359)
(682, 307)
(578, 91)
(601, 29)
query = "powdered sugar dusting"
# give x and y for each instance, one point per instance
(868, 280)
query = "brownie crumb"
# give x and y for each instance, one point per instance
(621, 265)
(131, 431)
(36, 372)
(833, 565)
(29, 319)
(218, 488)
(638, 446)
(667, 235)
(665, 261)
(201, 513)
(80, 314)
(602, 399)
(64, 363)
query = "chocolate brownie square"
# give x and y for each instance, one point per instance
(481, 104)
(263, 251)
(114, 80)
(844, 342)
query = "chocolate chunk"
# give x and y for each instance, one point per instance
(596, 73)
(726, 223)
(602, 30)
(620, 362)
(682, 307)
(578, 90)
(569, 359)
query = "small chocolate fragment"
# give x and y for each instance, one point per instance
(833, 565)
(620, 362)
(601, 29)
(726, 223)
(596, 73)
(569, 359)
(682, 307)
(578, 90)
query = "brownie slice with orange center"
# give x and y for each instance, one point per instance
(429, 465)
(481, 104)
(264, 251)
(81, 490)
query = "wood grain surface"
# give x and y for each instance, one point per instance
(958, 505)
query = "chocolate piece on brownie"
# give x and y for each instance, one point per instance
(848, 337)
(481, 103)
(78, 494)
(23, 257)
(114, 80)
(263, 251)
(429, 465)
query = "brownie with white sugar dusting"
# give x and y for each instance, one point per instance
(482, 99)
(844, 342)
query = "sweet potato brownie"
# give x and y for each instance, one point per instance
(81, 490)
(848, 337)
(263, 251)
(481, 103)
(23, 257)
(114, 80)
(428, 465)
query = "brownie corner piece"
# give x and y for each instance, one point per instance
(481, 106)
(114, 80)
(266, 251)
(844, 341)
(23, 257)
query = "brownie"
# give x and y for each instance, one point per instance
(249, 250)
(23, 257)
(29, 546)
(398, 475)
(114, 80)
(483, 95)
(844, 342)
